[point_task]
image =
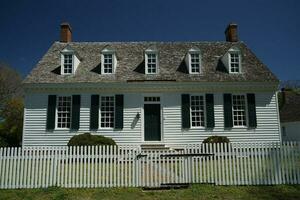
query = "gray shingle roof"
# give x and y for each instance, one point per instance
(130, 67)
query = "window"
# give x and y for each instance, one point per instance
(107, 63)
(107, 110)
(239, 110)
(197, 111)
(234, 62)
(151, 99)
(194, 63)
(68, 64)
(151, 63)
(64, 106)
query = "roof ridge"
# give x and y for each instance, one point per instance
(137, 42)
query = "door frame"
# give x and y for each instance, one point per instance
(143, 117)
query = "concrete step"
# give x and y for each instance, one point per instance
(154, 147)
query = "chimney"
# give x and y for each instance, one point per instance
(231, 33)
(65, 32)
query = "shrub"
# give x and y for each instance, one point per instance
(87, 139)
(3, 142)
(216, 139)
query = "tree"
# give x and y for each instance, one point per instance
(11, 106)
(10, 84)
(12, 126)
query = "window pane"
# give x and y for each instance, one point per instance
(108, 63)
(239, 110)
(195, 63)
(197, 111)
(68, 64)
(64, 111)
(234, 63)
(151, 63)
(107, 111)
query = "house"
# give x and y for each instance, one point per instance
(167, 93)
(290, 116)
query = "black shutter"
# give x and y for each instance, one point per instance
(185, 111)
(94, 112)
(119, 111)
(228, 111)
(210, 115)
(51, 112)
(251, 110)
(75, 112)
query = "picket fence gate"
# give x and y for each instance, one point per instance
(129, 166)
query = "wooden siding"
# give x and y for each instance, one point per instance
(35, 133)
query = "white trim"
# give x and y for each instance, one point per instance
(156, 63)
(246, 111)
(56, 112)
(235, 51)
(189, 59)
(62, 62)
(278, 116)
(114, 61)
(143, 117)
(204, 110)
(99, 120)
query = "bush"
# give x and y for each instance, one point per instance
(87, 139)
(3, 142)
(216, 139)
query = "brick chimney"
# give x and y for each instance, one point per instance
(65, 32)
(231, 33)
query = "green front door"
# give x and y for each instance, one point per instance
(152, 122)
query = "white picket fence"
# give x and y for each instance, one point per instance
(112, 166)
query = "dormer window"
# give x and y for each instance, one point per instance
(151, 61)
(232, 60)
(68, 64)
(69, 61)
(108, 64)
(193, 61)
(108, 61)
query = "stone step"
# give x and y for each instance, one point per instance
(154, 147)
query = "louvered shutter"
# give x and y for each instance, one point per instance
(50, 125)
(251, 110)
(210, 115)
(227, 111)
(119, 111)
(94, 112)
(185, 111)
(75, 112)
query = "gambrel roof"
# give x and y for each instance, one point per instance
(131, 64)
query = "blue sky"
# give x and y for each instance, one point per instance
(270, 28)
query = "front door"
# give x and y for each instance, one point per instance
(152, 122)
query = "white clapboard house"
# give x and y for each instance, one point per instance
(150, 93)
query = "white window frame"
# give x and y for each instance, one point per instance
(246, 111)
(56, 113)
(194, 51)
(239, 63)
(100, 112)
(108, 51)
(204, 111)
(156, 63)
(62, 71)
(102, 63)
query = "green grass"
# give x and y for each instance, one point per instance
(195, 192)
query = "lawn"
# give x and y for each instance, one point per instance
(194, 192)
